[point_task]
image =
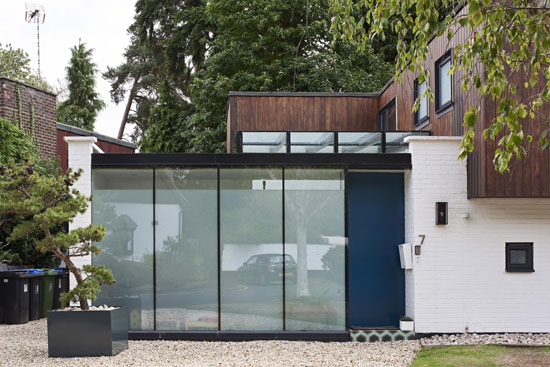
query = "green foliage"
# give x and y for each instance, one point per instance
(45, 202)
(212, 48)
(15, 64)
(90, 286)
(83, 104)
(15, 144)
(509, 38)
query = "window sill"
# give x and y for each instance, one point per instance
(520, 270)
(422, 123)
(447, 107)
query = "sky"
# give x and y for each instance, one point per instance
(101, 24)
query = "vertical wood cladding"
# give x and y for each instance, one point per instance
(527, 178)
(44, 112)
(301, 112)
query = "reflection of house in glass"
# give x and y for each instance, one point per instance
(120, 235)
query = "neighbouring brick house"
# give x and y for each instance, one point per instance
(17, 102)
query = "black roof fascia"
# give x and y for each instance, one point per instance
(396, 161)
(305, 94)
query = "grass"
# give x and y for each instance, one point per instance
(481, 356)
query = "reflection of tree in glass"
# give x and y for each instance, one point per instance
(117, 246)
(313, 211)
(119, 238)
(334, 260)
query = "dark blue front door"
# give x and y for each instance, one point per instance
(376, 225)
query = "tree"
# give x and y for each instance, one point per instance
(16, 146)
(45, 202)
(15, 64)
(83, 104)
(205, 49)
(168, 44)
(508, 37)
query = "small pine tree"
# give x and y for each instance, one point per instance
(44, 202)
(83, 104)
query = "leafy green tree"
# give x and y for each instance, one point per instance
(508, 37)
(261, 45)
(83, 104)
(46, 202)
(15, 64)
(211, 48)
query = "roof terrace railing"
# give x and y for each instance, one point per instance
(323, 141)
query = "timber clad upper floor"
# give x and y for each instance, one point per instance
(391, 110)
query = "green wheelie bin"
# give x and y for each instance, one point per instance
(46, 295)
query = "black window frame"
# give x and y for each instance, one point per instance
(447, 57)
(418, 123)
(383, 116)
(519, 268)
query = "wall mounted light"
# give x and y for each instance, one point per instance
(441, 213)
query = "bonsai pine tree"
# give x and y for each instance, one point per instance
(45, 202)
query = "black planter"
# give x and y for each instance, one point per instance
(87, 333)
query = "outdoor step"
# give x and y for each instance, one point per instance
(379, 335)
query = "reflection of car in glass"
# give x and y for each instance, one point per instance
(265, 268)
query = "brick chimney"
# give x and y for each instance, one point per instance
(16, 103)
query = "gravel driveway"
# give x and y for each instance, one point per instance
(26, 345)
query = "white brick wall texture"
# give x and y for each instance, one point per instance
(459, 282)
(80, 157)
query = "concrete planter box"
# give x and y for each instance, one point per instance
(87, 333)
(406, 325)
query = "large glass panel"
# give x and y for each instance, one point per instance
(123, 203)
(445, 83)
(187, 248)
(315, 244)
(312, 142)
(356, 142)
(264, 142)
(251, 249)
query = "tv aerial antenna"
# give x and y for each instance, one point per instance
(34, 13)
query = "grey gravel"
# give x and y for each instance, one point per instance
(475, 339)
(26, 345)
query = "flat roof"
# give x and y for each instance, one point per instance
(108, 139)
(374, 161)
(305, 94)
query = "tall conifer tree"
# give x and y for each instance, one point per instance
(83, 104)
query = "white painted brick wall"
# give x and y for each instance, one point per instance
(80, 157)
(459, 282)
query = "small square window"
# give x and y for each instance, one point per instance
(519, 257)
(443, 83)
(421, 115)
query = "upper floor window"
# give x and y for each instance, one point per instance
(387, 117)
(443, 82)
(421, 114)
